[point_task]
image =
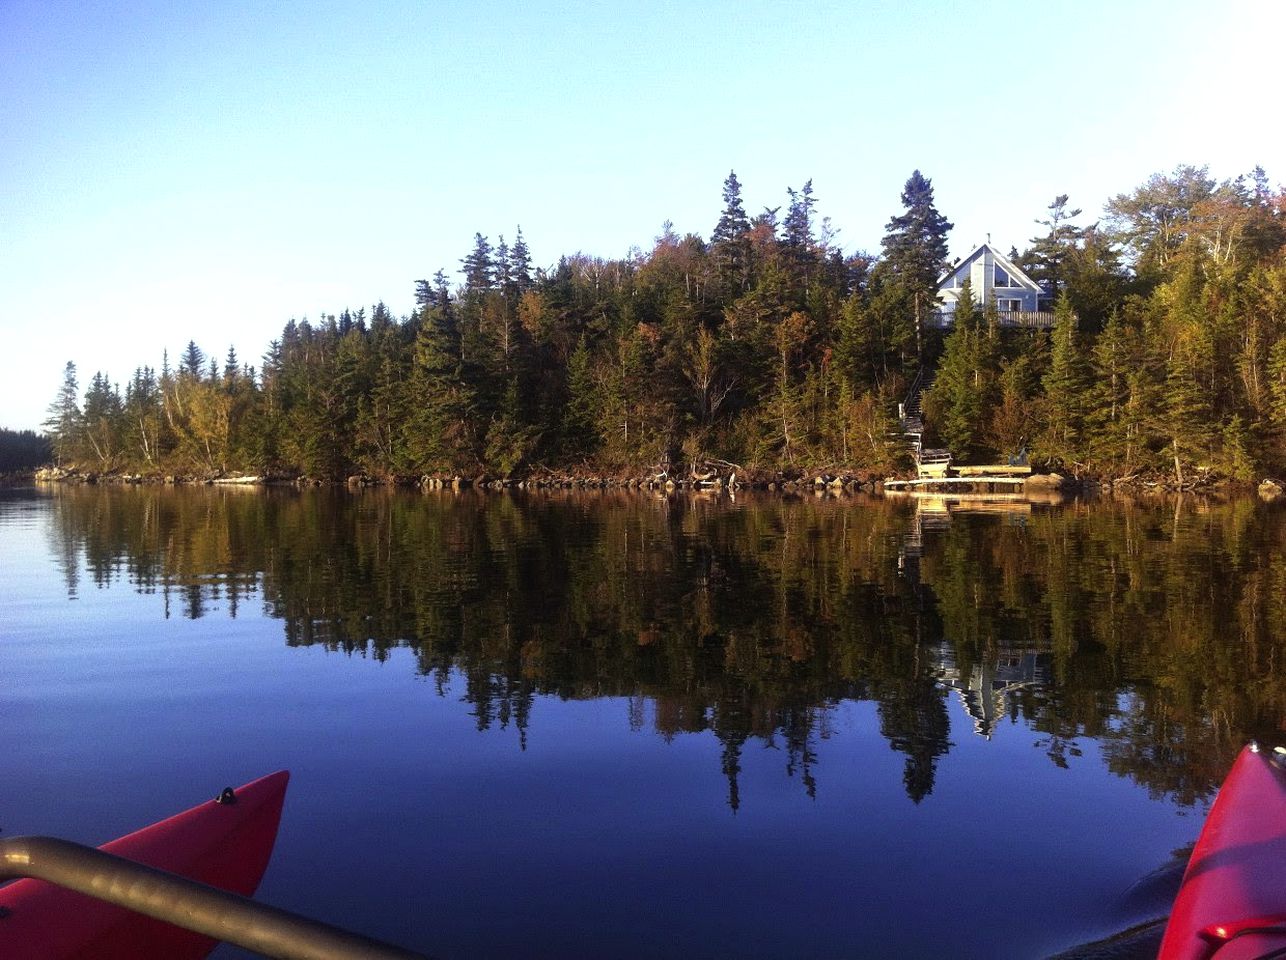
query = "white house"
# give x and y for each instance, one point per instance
(993, 278)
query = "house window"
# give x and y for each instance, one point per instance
(1009, 306)
(1002, 278)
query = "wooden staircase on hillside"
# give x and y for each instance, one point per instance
(929, 462)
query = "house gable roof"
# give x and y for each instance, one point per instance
(1015, 272)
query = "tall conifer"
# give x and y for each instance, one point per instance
(915, 247)
(64, 421)
(729, 244)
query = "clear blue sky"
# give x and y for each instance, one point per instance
(173, 171)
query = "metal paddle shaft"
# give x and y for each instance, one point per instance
(185, 903)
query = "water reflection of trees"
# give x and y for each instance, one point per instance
(1159, 630)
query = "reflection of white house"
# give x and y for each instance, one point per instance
(983, 690)
(993, 278)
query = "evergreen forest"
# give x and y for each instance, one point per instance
(765, 347)
(22, 450)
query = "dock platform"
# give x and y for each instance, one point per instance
(974, 483)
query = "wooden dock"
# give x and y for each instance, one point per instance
(975, 483)
(936, 473)
(991, 470)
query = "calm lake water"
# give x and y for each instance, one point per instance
(635, 726)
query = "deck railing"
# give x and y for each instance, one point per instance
(1033, 319)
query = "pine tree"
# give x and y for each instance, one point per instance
(580, 414)
(142, 414)
(797, 239)
(230, 370)
(786, 425)
(857, 348)
(520, 263)
(440, 434)
(955, 407)
(891, 312)
(1237, 459)
(192, 362)
(102, 421)
(510, 439)
(915, 246)
(503, 269)
(729, 244)
(1186, 413)
(1012, 423)
(905, 281)
(382, 411)
(1048, 254)
(1092, 277)
(1153, 222)
(1065, 389)
(1113, 432)
(64, 422)
(1276, 387)
(1190, 394)
(479, 267)
(424, 293)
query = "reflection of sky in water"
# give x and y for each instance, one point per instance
(586, 832)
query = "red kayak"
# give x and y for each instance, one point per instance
(1232, 904)
(225, 843)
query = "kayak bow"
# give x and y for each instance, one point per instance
(1232, 904)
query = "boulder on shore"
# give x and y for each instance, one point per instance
(1045, 481)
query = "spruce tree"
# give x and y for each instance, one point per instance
(955, 405)
(479, 267)
(1112, 432)
(510, 439)
(142, 416)
(580, 414)
(915, 246)
(503, 268)
(915, 252)
(1186, 411)
(1065, 389)
(520, 263)
(797, 232)
(64, 422)
(1045, 260)
(1276, 388)
(729, 244)
(102, 421)
(192, 362)
(440, 433)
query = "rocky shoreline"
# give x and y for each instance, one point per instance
(704, 481)
(543, 480)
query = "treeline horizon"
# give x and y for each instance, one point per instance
(764, 346)
(22, 450)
